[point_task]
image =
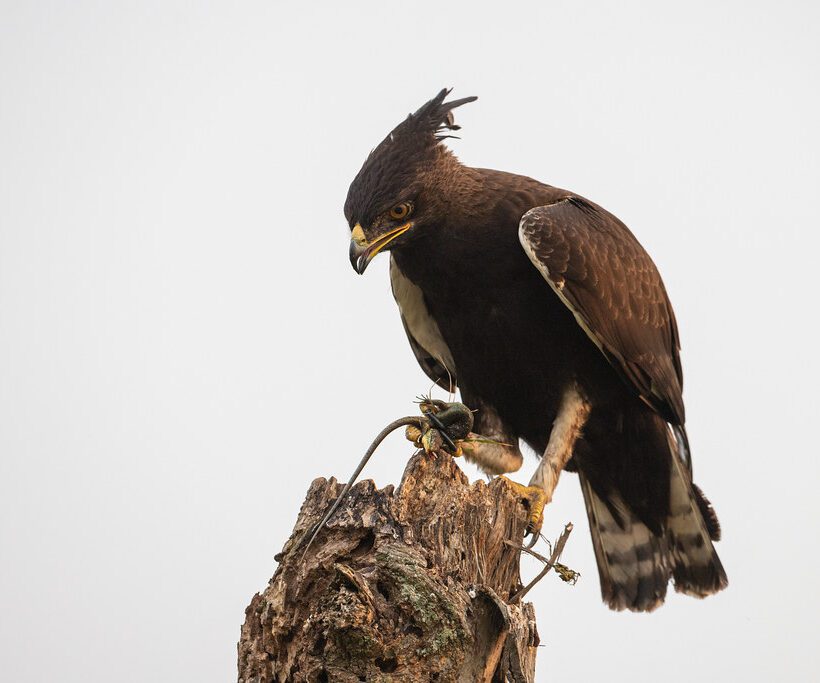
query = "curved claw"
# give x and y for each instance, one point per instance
(534, 536)
(536, 499)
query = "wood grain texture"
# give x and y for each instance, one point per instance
(407, 584)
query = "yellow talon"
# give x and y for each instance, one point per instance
(430, 438)
(536, 499)
(413, 433)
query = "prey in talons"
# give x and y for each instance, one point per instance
(443, 426)
(447, 426)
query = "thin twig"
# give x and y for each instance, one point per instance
(523, 548)
(401, 422)
(556, 553)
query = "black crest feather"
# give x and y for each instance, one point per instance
(391, 167)
(436, 115)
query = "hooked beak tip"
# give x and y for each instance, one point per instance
(359, 250)
(358, 257)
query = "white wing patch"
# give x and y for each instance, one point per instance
(419, 322)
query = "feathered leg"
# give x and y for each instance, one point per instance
(572, 416)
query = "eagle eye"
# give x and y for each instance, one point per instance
(400, 211)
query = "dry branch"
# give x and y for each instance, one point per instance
(412, 584)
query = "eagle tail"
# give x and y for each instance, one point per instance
(635, 564)
(691, 528)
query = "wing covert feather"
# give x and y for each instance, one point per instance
(605, 277)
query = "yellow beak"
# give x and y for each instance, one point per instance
(362, 252)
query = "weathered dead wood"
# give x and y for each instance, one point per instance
(411, 584)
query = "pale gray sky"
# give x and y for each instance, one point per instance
(176, 302)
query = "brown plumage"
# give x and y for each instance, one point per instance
(546, 312)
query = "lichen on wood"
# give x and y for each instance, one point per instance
(407, 584)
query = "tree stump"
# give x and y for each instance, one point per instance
(412, 584)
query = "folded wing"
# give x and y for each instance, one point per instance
(603, 275)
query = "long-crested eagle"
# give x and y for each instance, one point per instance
(555, 325)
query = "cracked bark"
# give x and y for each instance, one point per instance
(407, 584)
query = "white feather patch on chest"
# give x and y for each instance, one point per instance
(421, 324)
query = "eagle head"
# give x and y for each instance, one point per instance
(393, 195)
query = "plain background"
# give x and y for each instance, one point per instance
(184, 346)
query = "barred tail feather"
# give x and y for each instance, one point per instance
(632, 561)
(635, 564)
(697, 569)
